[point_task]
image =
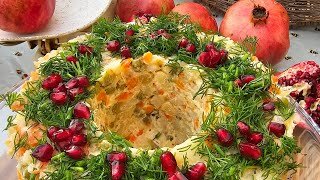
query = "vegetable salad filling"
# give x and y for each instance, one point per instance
(151, 100)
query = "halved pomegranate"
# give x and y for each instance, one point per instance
(43, 152)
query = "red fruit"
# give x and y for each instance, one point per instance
(117, 170)
(277, 129)
(84, 49)
(191, 48)
(51, 131)
(249, 150)
(81, 111)
(225, 138)
(216, 57)
(134, 8)
(79, 140)
(59, 98)
(261, 17)
(125, 52)
(238, 83)
(74, 92)
(177, 176)
(166, 35)
(210, 46)
(309, 101)
(168, 163)
(72, 59)
(183, 43)
(25, 16)
(51, 81)
(113, 46)
(63, 145)
(76, 126)
(255, 137)
(198, 14)
(43, 152)
(83, 81)
(130, 32)
(117, 156)
(243, 128)
(161, 31)
(206, 60)
(268, 106)
(196, 172)
(75, 152)
(60, 88)
(247, 78)
(61, 135)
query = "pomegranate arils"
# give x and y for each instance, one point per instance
(59, 98)
(83, 81)
(113, 46)
(183, 43)
(51, 131)
(277, 129)
(130, 32)
(84, 49)
(63, 145)
(76, 126)
(75, 152)
(238, 83)
(79, 139)
(168, 163)
(225, 138)
(249, 150)
(81, 111)
(125, 52)
(178, 176)
(72, 83)
(191, 48)
(51, 81)
(255, 137)
(247, 78)
(210, 46)
(74, 92)
(117, 170)
(60, 88)
(61, 135)
(117, 156)
(196, 172)
(43, 152)
(309, 100)
(268, 106)
(72, 59)
(204, 59)
(244, 129)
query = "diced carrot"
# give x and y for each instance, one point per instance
(132, 82)
(179, 84)
(140, 132)
(148, 108)
(196, 123)
(274, 89)
(21, 151)
(227, 110)
(147, 57)
(161, 91)
(181, 75)
(17, 106)
(140, 104)
(35, 133)
(169, 117)
(124, 96)
(131, 138)
(102, 96)
(126, 64)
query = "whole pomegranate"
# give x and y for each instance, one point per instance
(25, 16)
(198, 14)
(128, 9)
(267, 20)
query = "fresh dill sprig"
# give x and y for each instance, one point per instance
(12, 97)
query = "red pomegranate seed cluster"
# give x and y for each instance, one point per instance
(115, 46)
(117, 162)
(212, 57)
(144, 18)
(62, 92)
(243, 80)
(189, 47)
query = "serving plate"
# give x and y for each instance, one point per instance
(70, 16)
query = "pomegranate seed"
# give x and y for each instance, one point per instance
(72, 83)
(243, 128)
(130, 32)
(197, 171)
(210, 46)
(125, 52)
(309, 100)
(76, 126)
(223, 54)
(113, 46)
(117, 156)
(178, 176)
(249, 150)
(74, 92)
(238, 83)
(205, 60)
(247, 78)
(161, 31)
(63, 145)
(277, 129)
(117, 170)
(83, 81)
(153, 36)
(43, 152)
(268, 106)
(75, 152)
(215, 56)
(72, 59)
(79, 140)
(169, 163)
(51, 131)
(294, 94)
(51, 81)
(61, 135)
(84, 49)
(59, 98)
(81, 111)
(60, 88)
(166, 35)
(318, 90)
(191, 48)
(183, 43)
(255, 137)
(225, 138)
(281, 81)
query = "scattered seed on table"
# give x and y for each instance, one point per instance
(18, 53)
(317, 29)
(24, 76)
(18, 71)
(288, 58)
(294, 34)
(313, 52)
